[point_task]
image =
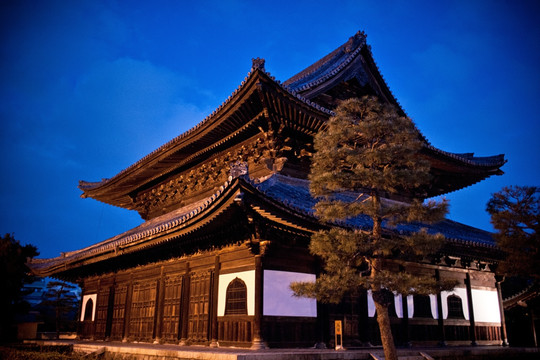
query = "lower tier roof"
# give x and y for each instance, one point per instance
(279, 199)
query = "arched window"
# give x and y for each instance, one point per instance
(422, 306)
(88, 310)
(236, 298)
(455, 307)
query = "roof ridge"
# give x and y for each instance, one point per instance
(356, 42)
(85, 185)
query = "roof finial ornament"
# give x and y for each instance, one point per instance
(257, 63)
(355, 41)
(239, 168)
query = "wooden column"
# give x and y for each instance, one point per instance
(110, 309)
(98, 291)
(440, 319)
(504, 336)
(258, 342)
(405, 321)
(214, 305)
(127, 314)
(472, 328)
(160, 298)
(363, 319)
(129, 297)
(184, 308)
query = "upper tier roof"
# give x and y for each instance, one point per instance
(298, 103)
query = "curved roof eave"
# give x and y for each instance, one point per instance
(92, 189)
(281, 200)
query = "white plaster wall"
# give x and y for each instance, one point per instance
(486, 306)
(370, 304)
(462, 293)
(94, 302)
(278, 296)
(248, 277)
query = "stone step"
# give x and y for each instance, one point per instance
(419, 356)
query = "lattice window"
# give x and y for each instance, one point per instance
(455, 307)
(102, 312)
(236, 298)
(422, 306)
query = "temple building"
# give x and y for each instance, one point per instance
(228, 219)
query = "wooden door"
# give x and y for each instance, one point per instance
(143, 309)
(118, 312)
(102, 313)
(171, 308)
(199, 305)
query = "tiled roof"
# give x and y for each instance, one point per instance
(151, 227)
(328, 66)
(294, 193)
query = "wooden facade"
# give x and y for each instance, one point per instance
(228, 218)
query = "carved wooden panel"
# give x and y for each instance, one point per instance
(199, 305)
(171, 308)
(102, 312)
(118, 312)
(143, 308)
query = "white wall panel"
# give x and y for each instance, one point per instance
(278, 296)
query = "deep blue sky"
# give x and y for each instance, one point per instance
(89, 87)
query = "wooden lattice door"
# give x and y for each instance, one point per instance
(143, 308)
(102, 313)
(199, 304)
(119, 311)
(171, 308)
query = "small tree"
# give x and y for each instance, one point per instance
(61, 297)
(366, 153)
(13, 275)
(515, 214)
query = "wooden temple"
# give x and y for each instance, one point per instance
(228, 219)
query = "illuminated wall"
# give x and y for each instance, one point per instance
(279, 299)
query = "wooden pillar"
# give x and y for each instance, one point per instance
(258, 342)
(184, 308)
(405, 321)
(160, 299)
(127, 314)
(98, 291)
(110, 310)
(440, 318)
(363, 319)
(214, 305)
(472, 328)
(504, 336)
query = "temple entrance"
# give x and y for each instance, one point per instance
(143, 307)
(199, 305)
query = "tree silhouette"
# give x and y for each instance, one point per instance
(515, 214)
(14, 274)
(367, 154)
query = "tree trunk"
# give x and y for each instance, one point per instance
(386, 332)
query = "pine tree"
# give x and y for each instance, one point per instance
(366, 154)
(515, 214)
(14, 275)
(61, 297)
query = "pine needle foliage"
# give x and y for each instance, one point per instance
(371, 151)
(515, 214)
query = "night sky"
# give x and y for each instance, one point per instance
(89, 87)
